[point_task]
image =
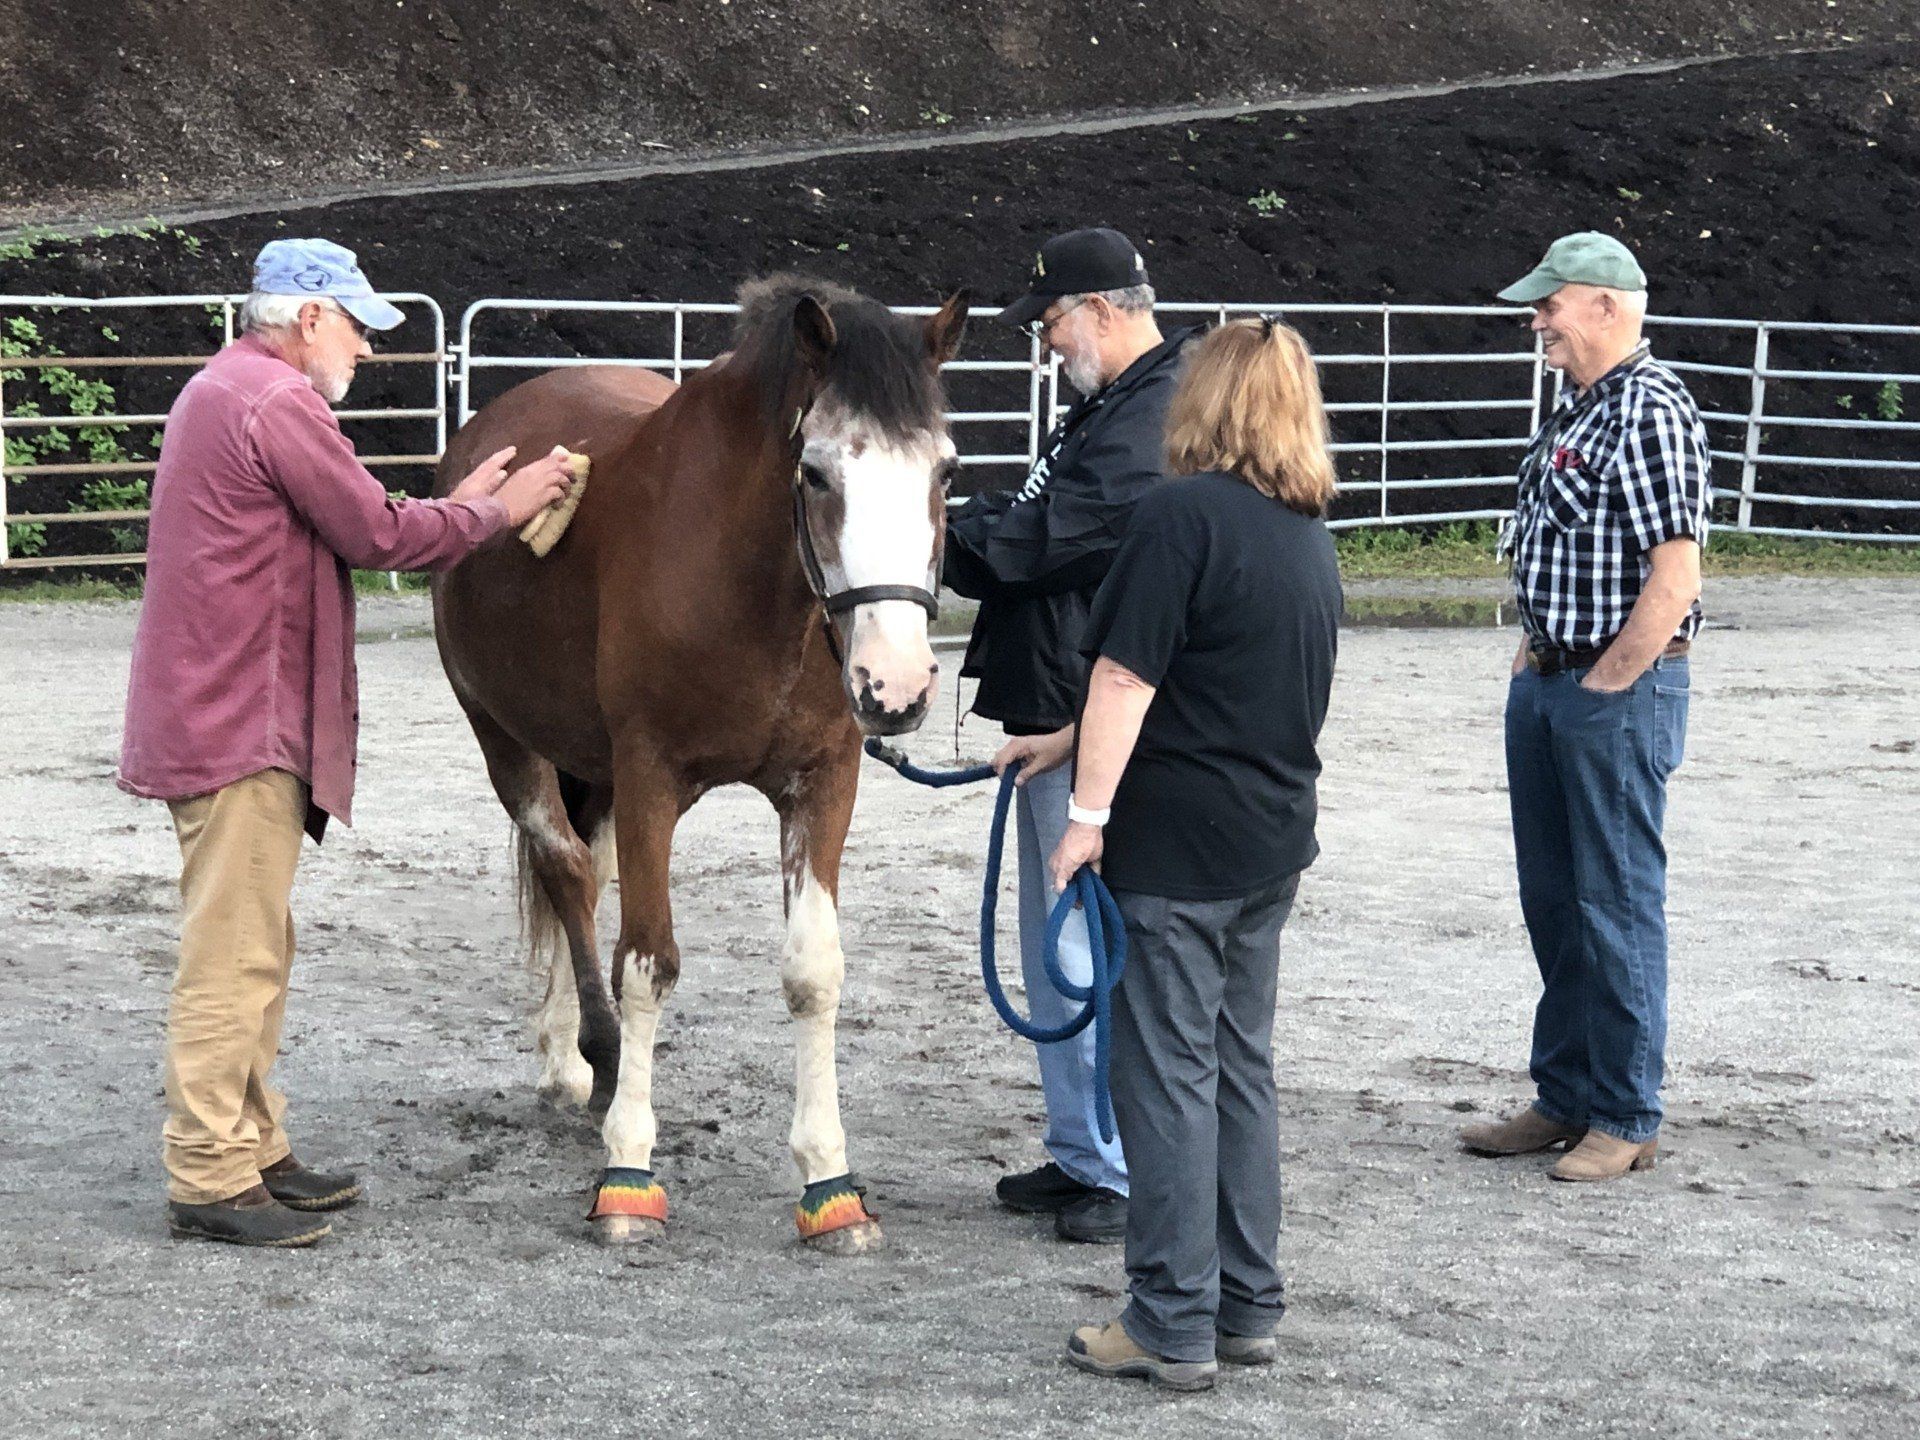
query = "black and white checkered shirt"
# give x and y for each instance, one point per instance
(1616, 470)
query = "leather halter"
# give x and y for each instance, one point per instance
(838, 602)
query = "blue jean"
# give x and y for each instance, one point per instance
(1066, 1066)
(1587, 777)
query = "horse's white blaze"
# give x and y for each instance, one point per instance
(811, 968)
(629, 1129)
(887, 538)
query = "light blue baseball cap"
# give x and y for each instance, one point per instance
(321, 269)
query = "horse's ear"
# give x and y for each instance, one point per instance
(945, 329)
(813, 332)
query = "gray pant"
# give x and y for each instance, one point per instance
(1193, 1095)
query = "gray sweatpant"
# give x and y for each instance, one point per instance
(1193, 1096)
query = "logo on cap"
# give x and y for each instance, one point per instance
(312, 278)
(1039, 267)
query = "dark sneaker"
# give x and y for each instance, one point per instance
(1045, 1191)
(1245, 1349)
(1099, 1218)
(252, 1217)
(299, 1188)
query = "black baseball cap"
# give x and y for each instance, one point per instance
(1078, 263)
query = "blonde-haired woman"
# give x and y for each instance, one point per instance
(1194, 787)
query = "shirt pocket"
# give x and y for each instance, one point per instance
(1571, 494)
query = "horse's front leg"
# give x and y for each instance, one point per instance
(813, 822)
(629, 1204)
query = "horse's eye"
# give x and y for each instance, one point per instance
(815, 477)
(948, 473)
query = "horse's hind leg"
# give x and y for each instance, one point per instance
(564, 1071)
(814, 814)
(580, 1039)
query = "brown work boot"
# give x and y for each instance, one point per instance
(1521, 1134)
(1600, 1156)
(1108, 1350)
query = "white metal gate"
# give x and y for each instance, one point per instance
(1424, 400)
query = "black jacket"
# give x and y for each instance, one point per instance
(1033, 557)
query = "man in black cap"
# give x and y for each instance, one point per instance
(1033, 557)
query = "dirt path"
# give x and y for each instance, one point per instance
(1761, 1282)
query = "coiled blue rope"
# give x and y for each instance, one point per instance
(1106, 933)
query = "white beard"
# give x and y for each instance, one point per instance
(332, 385)
(1082, 374)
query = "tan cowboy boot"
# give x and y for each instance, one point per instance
(1600, 1156)
(1520, 1134)
(1108, 1350)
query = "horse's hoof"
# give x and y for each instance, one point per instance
(569, 1089)
(627, 1230)
(861, 1239)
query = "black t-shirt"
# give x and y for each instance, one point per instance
(1229, 603)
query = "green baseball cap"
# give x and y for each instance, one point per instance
(1588, 258)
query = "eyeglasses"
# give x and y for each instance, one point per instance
(361, 331)
(1039, 329)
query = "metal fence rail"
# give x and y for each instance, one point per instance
(1424, 400)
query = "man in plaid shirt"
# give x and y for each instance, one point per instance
(1605, 541)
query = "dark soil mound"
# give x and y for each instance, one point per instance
(1782, 189)
(128, 106)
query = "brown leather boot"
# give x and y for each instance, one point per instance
(1520, 1134)
(1600, 1156)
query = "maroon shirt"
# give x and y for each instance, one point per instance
(244, 656)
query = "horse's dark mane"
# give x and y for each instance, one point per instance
(879, 363)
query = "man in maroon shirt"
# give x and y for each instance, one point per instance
(243, 706)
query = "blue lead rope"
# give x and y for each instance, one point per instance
(1106, 933)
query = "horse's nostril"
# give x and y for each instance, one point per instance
(878, 686)
(934, 668)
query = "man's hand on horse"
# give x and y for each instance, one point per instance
(525, 492)
(1035, 754)
(1081, 845)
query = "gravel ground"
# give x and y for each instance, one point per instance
(1761, 1282)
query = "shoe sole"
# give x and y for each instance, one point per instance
(1640, 1162)
(1564, 1142)
(1246, 1359)
(1156, 1373)
(1038, 1207)
(338, 1200)
(290, 1242)
(1070, 1236)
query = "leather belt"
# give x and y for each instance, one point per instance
(1556, 660)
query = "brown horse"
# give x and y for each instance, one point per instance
(744, 589)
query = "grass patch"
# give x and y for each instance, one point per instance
(1465, 551)
(1460, 551)
(43, 591)
(1731, 554)
(375, 582)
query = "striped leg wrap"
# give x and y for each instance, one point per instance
(828, 1205)
(629, 1192)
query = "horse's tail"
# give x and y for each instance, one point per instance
(540, 926)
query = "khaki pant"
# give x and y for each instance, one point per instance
(238, 849)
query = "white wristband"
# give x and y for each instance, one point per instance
(1080, 815)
